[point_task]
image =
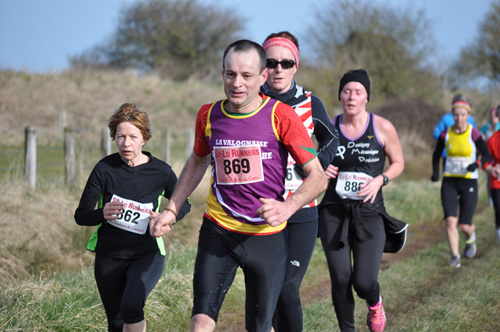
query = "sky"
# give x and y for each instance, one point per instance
(40, 36)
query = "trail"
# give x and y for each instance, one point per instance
(418, 239)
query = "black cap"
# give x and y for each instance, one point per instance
(356, 75)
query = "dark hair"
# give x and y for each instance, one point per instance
(284, 34)
(356, 75)
(497, 112)
(129, 113)
(460, 97)
(245, 45)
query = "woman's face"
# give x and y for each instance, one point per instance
(279, 80)
(460, 115)
(129, 142)
(353, 97)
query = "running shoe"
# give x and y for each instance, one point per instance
(470, 249)
(497, 230)
(376, 317)
(454, 262)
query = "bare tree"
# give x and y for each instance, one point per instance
(482, 58)
(177, 38)
(391, 44)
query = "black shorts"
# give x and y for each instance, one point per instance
(263, 260)
(461, 192)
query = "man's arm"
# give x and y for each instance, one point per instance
(190, 177)
(276, 212)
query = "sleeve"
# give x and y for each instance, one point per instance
(436, 156)
(493, 147)
(439, 128)
(481, 147)
(472, 121)
(293, 134)
(86, 214)
(201, 147)
(325, 132)
(186, 207)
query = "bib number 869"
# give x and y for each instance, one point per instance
(236, 166)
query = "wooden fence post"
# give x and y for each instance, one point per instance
(189, 141)
(30, 156)
(69, 157)
(168, 145)
(105, 142)
(62, 124)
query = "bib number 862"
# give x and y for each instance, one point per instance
(129, 216)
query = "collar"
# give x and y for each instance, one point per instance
(285, 97)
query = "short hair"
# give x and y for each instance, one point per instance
(245, 45)
(130, 113)
(497, 112)
(284, 34)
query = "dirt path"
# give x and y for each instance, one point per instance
(418, 239)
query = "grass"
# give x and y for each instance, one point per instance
(420, 292)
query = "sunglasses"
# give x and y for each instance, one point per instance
(285, 64)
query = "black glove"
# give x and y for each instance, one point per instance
(299, 170)
(472, 167)
(435, 177)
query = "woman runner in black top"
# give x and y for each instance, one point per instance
(302, 227)
(127, 187)
(353, 223)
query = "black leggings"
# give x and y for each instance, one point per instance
(360, 273)
(124, 285)
(301, 240)
(495, 196)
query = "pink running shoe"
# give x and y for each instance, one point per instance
(376, 317)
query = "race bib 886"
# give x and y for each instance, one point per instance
(348, 184)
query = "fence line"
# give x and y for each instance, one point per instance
(30, 149)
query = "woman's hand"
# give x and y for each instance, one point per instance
(112, 210)
(370, 189)
(331, 172)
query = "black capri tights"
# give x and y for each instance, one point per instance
(355, 265)
(495, 196)
(124, 285)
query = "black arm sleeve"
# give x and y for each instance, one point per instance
(483, 150)
(86, 214)
(325, 132)
(436, 156)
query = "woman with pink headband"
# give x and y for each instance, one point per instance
(282, 51)
(462, 143)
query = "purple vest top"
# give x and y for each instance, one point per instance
(248, 160)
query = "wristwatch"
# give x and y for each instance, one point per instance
(386, 179)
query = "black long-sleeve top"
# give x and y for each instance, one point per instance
(145, 183)
(324, 131)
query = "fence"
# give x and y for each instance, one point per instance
(68, 135)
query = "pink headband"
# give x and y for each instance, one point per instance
(461, 104)
(283, 42)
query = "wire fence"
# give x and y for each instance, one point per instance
(46, 153)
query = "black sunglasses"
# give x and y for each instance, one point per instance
(285, 64)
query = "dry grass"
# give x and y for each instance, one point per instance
(89, 98)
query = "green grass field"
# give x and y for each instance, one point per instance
(420, 292)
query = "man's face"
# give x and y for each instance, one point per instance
(242, 80)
